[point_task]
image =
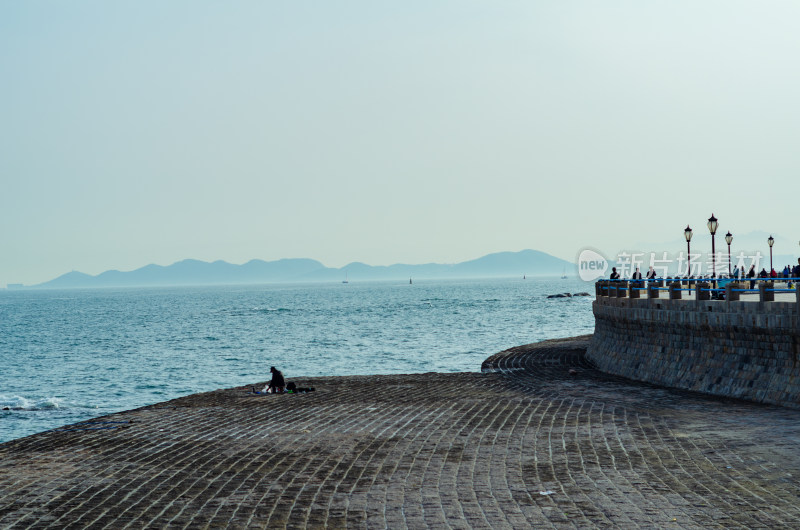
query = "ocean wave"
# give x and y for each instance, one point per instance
(22, 403)
(52, 403)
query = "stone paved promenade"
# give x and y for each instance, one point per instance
(524, 444)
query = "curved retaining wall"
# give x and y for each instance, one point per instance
(748, 350)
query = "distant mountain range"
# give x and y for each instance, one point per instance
(194, 272)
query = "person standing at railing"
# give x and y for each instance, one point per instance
(796, 269)
(651, 274)
(637, 279)
(786, 271)
(614, 274)
(773, 274)
(752, 274)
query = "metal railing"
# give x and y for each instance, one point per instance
(704, 288)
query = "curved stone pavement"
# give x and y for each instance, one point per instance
(538, 439)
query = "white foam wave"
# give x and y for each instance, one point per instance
(23, 403)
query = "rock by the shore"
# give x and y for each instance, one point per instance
(568, 295)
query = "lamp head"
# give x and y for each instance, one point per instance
(687, 233)
(713, 223)
(728, 237)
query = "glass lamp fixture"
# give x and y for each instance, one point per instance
(713, 223)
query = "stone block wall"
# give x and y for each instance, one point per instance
(748, 350)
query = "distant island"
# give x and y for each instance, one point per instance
(527, 263)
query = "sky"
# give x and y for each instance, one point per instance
(388, 132)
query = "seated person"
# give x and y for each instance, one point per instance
(277, 384)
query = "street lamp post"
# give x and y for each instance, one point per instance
(713, 223)
(728, 239)
(770, 242)
(688, 235)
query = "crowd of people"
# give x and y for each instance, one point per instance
(789, 273)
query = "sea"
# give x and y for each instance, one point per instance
(71, 355)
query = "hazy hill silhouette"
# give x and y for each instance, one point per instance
(195, 272)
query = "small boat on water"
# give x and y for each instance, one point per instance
(345, 278)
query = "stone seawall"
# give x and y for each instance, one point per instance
(747, 350)
(539, 439)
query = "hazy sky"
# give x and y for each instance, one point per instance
(416, 131)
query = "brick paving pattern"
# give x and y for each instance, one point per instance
(538, 439)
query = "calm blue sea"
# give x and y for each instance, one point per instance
(70, 355)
